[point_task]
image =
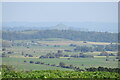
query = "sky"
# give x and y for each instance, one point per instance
(60, 12)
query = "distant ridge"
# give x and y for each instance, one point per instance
(78, 26)
(59, 26)
(62, 26)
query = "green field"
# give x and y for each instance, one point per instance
(48, 46)
(45, 46)
(79, 62)
(59, 58)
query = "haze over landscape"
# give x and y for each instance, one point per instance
(79, 26)
(95, 16)
(60, 40)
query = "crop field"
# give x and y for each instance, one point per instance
(68, 42)
(52, 45)
(23, 55)
(82, 58)
(79, 62)
(19, 64)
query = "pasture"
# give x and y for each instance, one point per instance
(18, 62)
(37, 47)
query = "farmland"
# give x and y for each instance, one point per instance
(59, 54)
(52, 40)
(52, 45)
(82, 63)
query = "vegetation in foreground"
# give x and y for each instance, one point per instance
(9, 72)
(59, 74)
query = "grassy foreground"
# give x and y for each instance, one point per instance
(58, 74)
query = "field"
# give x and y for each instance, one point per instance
(79, 62)
(59, 58)
(36, 48)
(50, 45)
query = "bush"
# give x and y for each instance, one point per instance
(31, 61)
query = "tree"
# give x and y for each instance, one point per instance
(73, 45)
(37, 62)
(30, 55)
(61, 64)
(111, 54)
(71, 66)
(31, 61)
(42, 62)
(107, 58)
(66, 55)
(59, 51)
(9, 52)
(25, 61)
(4, 49)
(42, 57)
(83, 49)
(81, 54)
(68, 58)
(4, 55)
(22, 53)
(57, 55)
(82, 65)
(103, 53)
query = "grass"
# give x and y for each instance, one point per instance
(19, 64)
(55, 39)
(17, 59)
(68, 42)
(39, 50)
(43, 50)
(87, 62)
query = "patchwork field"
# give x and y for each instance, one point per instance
(78, 62)
(37, 48)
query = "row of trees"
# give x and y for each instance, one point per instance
(61, 64)
(117, 70)
(60, 54)
(67, 34)
(53, 55)
(91, 69)
(110, 47)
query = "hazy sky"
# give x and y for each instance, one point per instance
(60, 12)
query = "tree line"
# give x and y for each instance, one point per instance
(60, 54)
(67, 34)
(91, 69)
(111, 47)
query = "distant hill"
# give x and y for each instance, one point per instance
(78, 26)
(65, 27)
(59, 26)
